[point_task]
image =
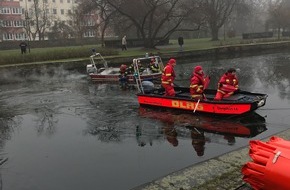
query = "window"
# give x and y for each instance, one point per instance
(89, 34)
(61, 1)
(5, 10)
(69, 11)
(7, 23)
(54, 11)
(16, 11)
(8, 36)
(20, 36)
(68, 1)
(62, 11)
(18, 23)
(90, 23)
(53, 1)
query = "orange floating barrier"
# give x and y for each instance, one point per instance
(269, 167)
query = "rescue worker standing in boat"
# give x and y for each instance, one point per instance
(197, 83)
(153, 66)
(123, 76)
(130, 69)
(227, 85)
(168, 76)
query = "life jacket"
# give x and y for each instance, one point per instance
(197, 83)
(168, 75)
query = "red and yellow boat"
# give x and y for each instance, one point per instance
(237, 104)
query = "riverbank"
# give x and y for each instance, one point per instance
(220, 173)
(219, 52)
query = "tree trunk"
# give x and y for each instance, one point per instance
(214, 33)
(103, 33)
(148, 43)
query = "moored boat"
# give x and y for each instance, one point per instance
(239, 103)
(99, 71)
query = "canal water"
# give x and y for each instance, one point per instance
(60, 131)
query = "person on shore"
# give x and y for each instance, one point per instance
(23, 46)
(124, 43)
(180, 42)
(227, 85)
(167, 78)
(197, 83)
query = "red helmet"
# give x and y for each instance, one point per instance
(172, 61)
(123, 67)
(197, 69)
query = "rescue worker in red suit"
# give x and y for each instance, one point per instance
(123, 79)
(168, 76)
(197, 83)
(230, 82)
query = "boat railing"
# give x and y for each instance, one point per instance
(98, 56)
(137, 75)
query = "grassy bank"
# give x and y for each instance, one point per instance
(51, 54)
(9, 57)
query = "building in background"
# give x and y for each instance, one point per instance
(11, 22)
(45, 19)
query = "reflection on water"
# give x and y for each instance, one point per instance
(176, 125)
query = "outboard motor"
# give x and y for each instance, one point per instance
(148, 86)
(91, 68)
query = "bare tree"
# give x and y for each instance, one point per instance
(38, 20)
(279, 15)
(83, 19)
(60, 30)
(217, 12)
(152, 17)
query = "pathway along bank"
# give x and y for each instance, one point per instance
(221, 52)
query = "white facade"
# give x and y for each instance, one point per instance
(57, 8)
(52, 12)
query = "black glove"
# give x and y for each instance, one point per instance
(221, 85)
(237, 91)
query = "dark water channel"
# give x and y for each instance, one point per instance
(60, 131)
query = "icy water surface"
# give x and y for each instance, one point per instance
(60, 131)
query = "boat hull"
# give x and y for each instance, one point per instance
(226, 107)
(115, 77)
